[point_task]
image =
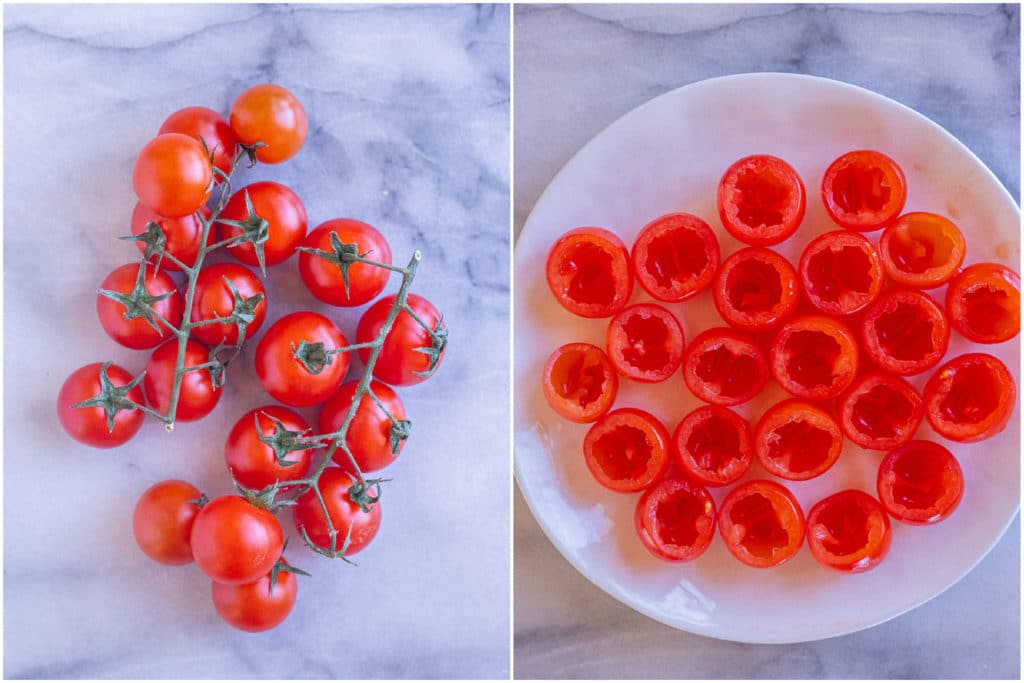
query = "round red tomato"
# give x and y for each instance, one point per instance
(761, 200)
(796, 440)
(182, 236)
(579, 382)
(272, 115)
(970, 398)
(905, 332)
(814, 357)
(712, 445)
(409, 354)
(849, 532)
(675, 520)
(162, 521)
(326, 280)
(259, 606)
(209, 128)
(841, 272)
(252, 462)
(348, 518)
(723, 367)
(756, 289)
(675, 257)
(127, 323)
(293, 359)
(370, 437)
(234, 541)
(983, 303)
(627, 450)
(173, 175)
(880, 411)
(645, 343)
(197, 396)
(90, 425)
(864, 190)
(280, 208)
(922, 250)
(214, 299)
(590, 273)
(920, 483)
(761, 523)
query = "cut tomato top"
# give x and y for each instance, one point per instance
(970, 398)
(675, 520)
(922, 250)
(675, 257)
(863, 190)
(983, 303)
(920, 483)
(579, 382)
(590, 273)
(761, 200)
(761, 523)
(645, 343)
(841, 272)
(849, 532)
(626, 450)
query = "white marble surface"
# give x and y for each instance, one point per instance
(579, 68)
(408, 110)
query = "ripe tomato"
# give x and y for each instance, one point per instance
(197, 397)
(258, 606)
(208, 127)
(213, 299)
(970, 398)
(89, 425)
(627, 450)
(326, 280)
(369, 435)
(712, 445)
(920, 483)
(983, 303)
(234, 541)
(590, 273)
(880, 411)
(761, 200)
(922, 250)
(348, 518)
(723, 367)
(251, 461)
(280, 208)
(796, 440)
(761, 523)
(182, 235)
(407, 356)
(756, 289)
(863, 190)
(841, 272)
(645, 343)
(162, 521)
(675, 520)
(300, 374)
(849, 532)
(173, 175)
(814, 357)
(127, 324)
(272, 115)
(675, 257)
(905, 332)
(579, 382)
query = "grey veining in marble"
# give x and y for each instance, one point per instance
(579, 68)
(409, 125)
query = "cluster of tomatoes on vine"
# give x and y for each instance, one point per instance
(198, 327)
(839, 332)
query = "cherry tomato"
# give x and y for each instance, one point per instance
(922, 250)
(300, 374)
(182, 236)
(197, 397)
(162, 521)
(627, 450)
(590, 273)
(258, 606)
(407, 356)
(675, 257)
(173, 175)
(675, 520)
(880, 411)
(863, 190)
(235, 542)
(325, 279)
(756, 289)
(579, 382)
(849, 532)
(970, 398)
(841, 272)
(645, 343)
(814, 357)
(723, 367)
(761, 200)
(983, 303)
(272, 115)
(761, 523)
(208, 127)
(796, 440)
(905, 332)
(280, 208)
(920, 483)
(213, 299)
(137, 332)
(369, 435)
(89, 425)
(349, 520)
(251, 461)
(712, 445)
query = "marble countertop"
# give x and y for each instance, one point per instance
(578, 69)
(409, 120)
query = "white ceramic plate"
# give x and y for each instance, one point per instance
(667, 156)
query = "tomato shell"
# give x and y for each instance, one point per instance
(284, 376)
(905, 332)
(590, 273)
(400, 362)
(723, 367)
(235, 542)
(579, 382)
(841, 272)
(675, 520)
(880, 411)
(162, 521)
(863, 190)
(253, 463)
(675, 257)
(645, 343)
(627, 450)
(713, 446)
(197, 397)
(173, 175)
(756, 289)
(281, 208)
(349, 520)
(182, 236)
(324, 279)
(210, 128)
(369, 433)
(258, 606)
(922, 250)
(137, 333)
(849, 532)
(814, 357)
(89, 425)
(761, 523)
(213, 299)
(983, 303)
(272, 115)
(761, 200)
(796, 440)
(920, 483)
(970, 398)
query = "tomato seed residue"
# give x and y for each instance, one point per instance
(763, 533)
(623, 453)
(589, 269)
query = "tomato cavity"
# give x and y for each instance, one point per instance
(589, 270)
(754, 286)
(881, 411)
(763, 198)
(623, 453)
(834, 272)
(799, 446)
(919, 248)
(676, 255)
(733, 374)
(648, 340)
(991, 312)
(714, 443)
(681, 518)
(811, 357)
(858, 189)
(846, 523)
(918, 480)
(575, 380)
(762, 534)
(906, 332)
(973, 394)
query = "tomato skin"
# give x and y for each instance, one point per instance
(713, 446)
(253, 463)
(756, 289)
(841, 272)
(658, 523)
(849, 532)
(796, 440)
(590, 273)
(814, 357)
(173, 175)
(256, 607)
(970, 398)
(89, 425)
(880, 411)
(182, 235)
(281, 208)
(983, 303)
(197, 398)
(213, 299)
(723, 367)
(399, 361)
(920, 483)
(323, 279)
(645, 343)
(922, 250)
(272, 115)
(905, 332)
(162, 521)
(334, 485)
(742, 523)
(579, 382)
(369, 432)
(863, 190)
(284, 376)
(675, 257)
(137, 333)
(205, 125)
(235, 542)
(761, 200)
(616, 440)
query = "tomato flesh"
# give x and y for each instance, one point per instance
(841, 272)
(880, 412)
(675, 257)
(590, 273)
(814, 357)
(755, 289)
(675, 520)
(626, 450)
(863, 190)
(920, 483)
(579, 382)
(724, 368)
(645, 343)
(761, 523)
(712, 445)
(983, 303)
(922, 250)
(905, 332)
(849, 532)
(796, 440)
(970, 398)
(761, 200)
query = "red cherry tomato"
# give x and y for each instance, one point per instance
(272, 115)
(864, 190)
(645, 343)
(256, 607)
(349, 520)
(251, 461)
(137, 332)
(182, 236)
(761, 523)
(590, 273)
(235, 542)
(983, 303)
(756, 289)
(712, 445)
(849, 532)
(814, 357)
(675, 257)
(213, 299)
(675, 520)
(920, 483)
(280, 208)
(761, 200)
(210, 128)
(922, 250)
(627, 450)
(970, 398)
(173, 175)
(905, 332)
(162, 521)
(579, 382)
(841, 272)
(89, 425)
(405, 357)
(796, 440)
(369, 432)
(880, 411)
(723, 367)
(197, 397)
(288, 377)
(325, 280)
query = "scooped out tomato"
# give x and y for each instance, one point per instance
(370, 435)
(712, 445)
(89, 425)
(675, 520)
(645, 343)
(863, 190)
(796, 440)
(253, 462)
(970, 398)
(258, 606)
(920, 483)
(182, 236)
(128, 324)
(756, 289)
(207, 126)
(761, 523)
(922, 250)
(983, 303)
(675, 257)
(905, 332)
(173, 175)
(589, 272)
(761, 200)
(880, 411)
(841, 272)
(284, 213)
(197, 396)
(814, 357)
(579, 382)
(162, 521)
(724, 368)
(627, 450)
(849, 532)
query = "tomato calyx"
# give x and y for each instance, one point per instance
(112, 398)
(243, 311)
(438, 342)
(154, 244)
(282, 565)
(315, 356)
(138, 303)
(255, 230)
(283, 441)
(343, 255)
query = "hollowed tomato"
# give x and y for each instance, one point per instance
(761, 523)
(863, 190)
(814, 357)
(675, 257)
(761, 200)
(922, 250)
(796, 440)
(983, 303)
(723, 367)
(590, 273)
(920, 483)
(645, 343)
(712, 445)
(880, 411)
(848, 531)
(756, 289)
(579, 382)
(675, 520)
(970, 398)
(841, 272)
(627, 450)
(905, 332)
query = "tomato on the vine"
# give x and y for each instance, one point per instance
(410, 353)
(284, 213)
(272, 115)
(251, 461)
(326, 279)
(162, 521)
(849, 532)
(814, 357)
(905, 332)
(235, 542)
(863, 190)
(173, 175)
(712, 445)
(182, 236)
(756, 289)
(349, 520)
(922, 250)
(761, 200)
(214, 299)
(675, 257)
(675, 520)
(841, 272)
(372, 437)
(983, 303)
(626, 450)
(197, 397)
(258, 606)
(89, 425)
(797, 440)
(294, 359)
(761, 523)
(970, 398)
(723, 367)
(920, 483)
(645, 343)
(880, 411)
(590, 273)
(210, 128)
(579, 382)
(138, 331)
